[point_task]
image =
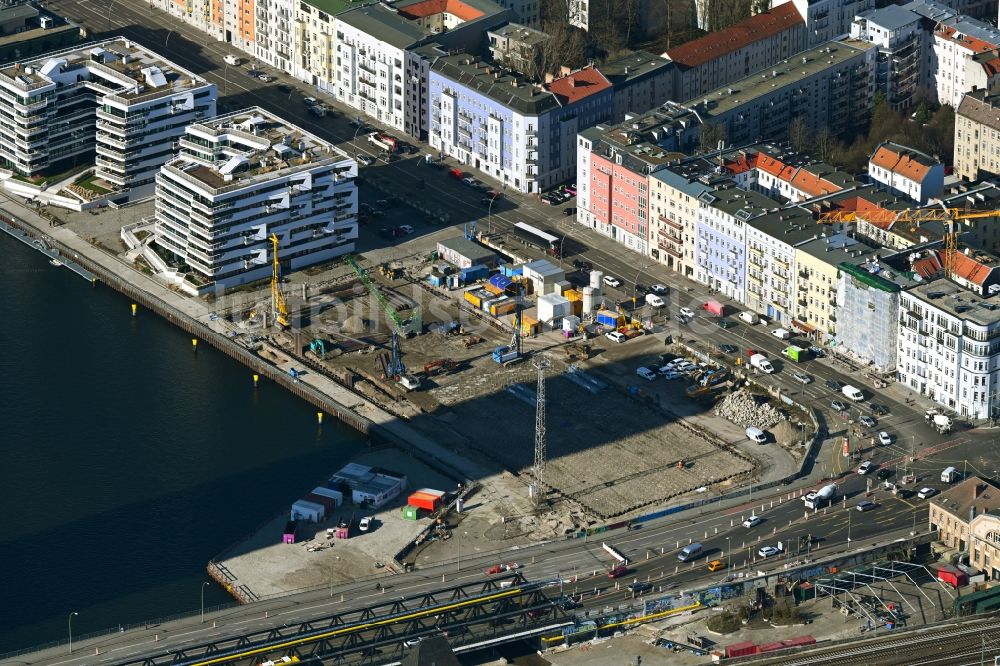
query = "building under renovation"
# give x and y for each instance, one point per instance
(868, 304)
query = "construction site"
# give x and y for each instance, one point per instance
(468, 381)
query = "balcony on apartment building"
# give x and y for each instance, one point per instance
(671, 222)
(364, 66)
(670, 249)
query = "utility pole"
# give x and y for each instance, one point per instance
(538, 470)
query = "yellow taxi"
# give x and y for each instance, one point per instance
(716, 565)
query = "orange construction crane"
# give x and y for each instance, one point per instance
(914, 218)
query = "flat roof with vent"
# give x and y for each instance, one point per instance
(800, 67)
(250, 145)
(121, 65)
(952, 299)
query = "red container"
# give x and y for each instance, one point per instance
(327, 503)
(715, 307)
(799, 641)
(741, 649)
(771, 647)
(954, 577)
(423, 501)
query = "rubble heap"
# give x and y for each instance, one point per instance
(744, 409)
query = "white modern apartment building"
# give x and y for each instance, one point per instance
(241, 178)
(948, 345)
(274, 32)
(113, 98)
(900, 36)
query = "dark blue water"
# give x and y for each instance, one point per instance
(128, 461)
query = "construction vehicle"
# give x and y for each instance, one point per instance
(820, 498)
(439, 366)
(507, 354)
(390, 271)
(318, 347)
(279, 308)
(940, 422)
(403, 326)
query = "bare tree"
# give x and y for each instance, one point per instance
(824, 142)
(798, 134)
(710, 136)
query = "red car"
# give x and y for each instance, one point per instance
(495, 569)
(618, 571)
(457, 174)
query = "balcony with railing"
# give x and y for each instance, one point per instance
(671, 222)
(670, 249)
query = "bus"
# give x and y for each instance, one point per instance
(537, 238)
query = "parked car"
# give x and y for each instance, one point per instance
(612, 281)
(687, 312)
(660, 289)
(615, 336)
(838, 406)
(406, 229)
(883, 473)
(265, 77)
(366, 523)
(927, 493)
(884, 438)
(725, 323)
(752, 521)
(768, 551)
(868, 421)
(866, 505)
(816, 351)
(571, 189)
(230, 59)
(639, 588)
(728, 349)
(865, 467)
(310, 101)
(364, 159)
(834, 385)
(879, 410)
(802, 377)
(645, 373)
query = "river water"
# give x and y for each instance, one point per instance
(128, 460)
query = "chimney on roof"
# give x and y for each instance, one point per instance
(549, 77)
(565, 71)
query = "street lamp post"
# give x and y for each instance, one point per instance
(203, 584)
(166, 40)
(110, 7)
(489, 217)
(69, 624)
(729, 552)
(225, 80)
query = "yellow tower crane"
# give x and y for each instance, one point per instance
(950, 216)
(279, 309)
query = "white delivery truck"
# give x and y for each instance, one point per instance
(820, 498)
(853, 393)
(760, 362)
(949, 475)
(749, 317)
(655, 301)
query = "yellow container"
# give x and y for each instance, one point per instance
(473, 298)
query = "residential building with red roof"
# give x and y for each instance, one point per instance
(906, 171)
(735, 52)
(783, 174)
(964, 58)
(516, 131)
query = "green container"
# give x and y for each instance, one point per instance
(797, 354)
(410, 512)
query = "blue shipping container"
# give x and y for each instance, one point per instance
(501, 281)
(473, 273)
(510, 270)
(607, 319)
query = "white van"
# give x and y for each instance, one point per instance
(949, 475)
(757, 435)
(781, 334)
(749, 317)
(689, 552)
(853, 393)
(655, 301)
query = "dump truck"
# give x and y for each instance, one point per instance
(760, 362)
(820, 498)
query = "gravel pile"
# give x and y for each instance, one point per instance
(742, 408)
